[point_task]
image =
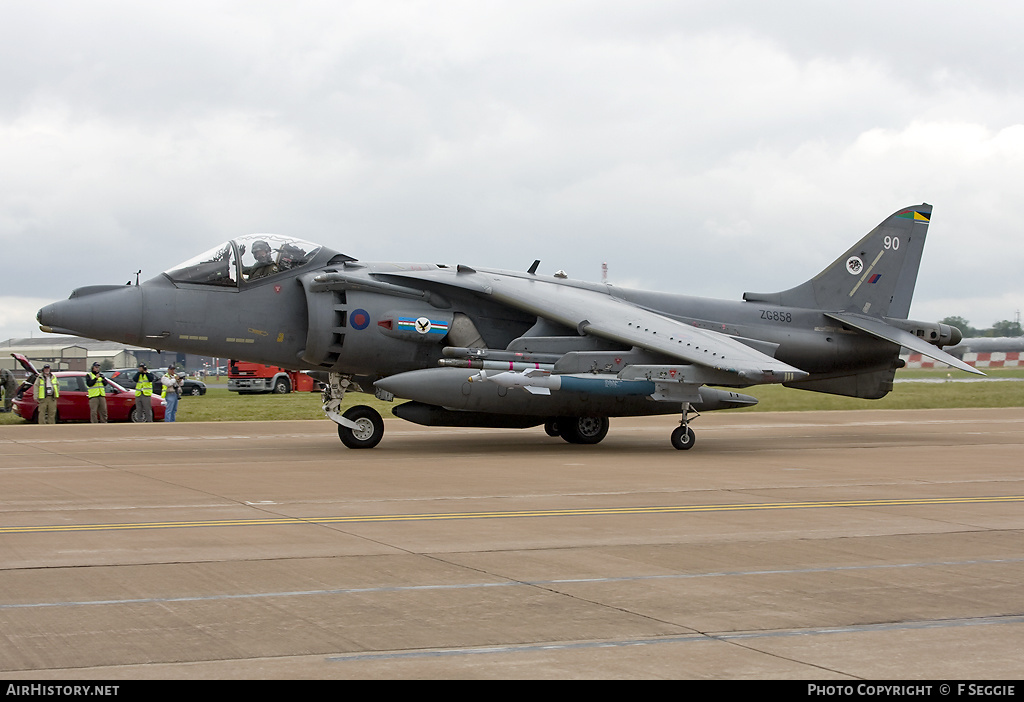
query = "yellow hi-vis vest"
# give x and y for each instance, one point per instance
(41, 387)
(144, 386)
(97, 389)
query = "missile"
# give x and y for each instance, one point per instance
(499, 355)
(538, 381)
(480, 364)
(534, 380)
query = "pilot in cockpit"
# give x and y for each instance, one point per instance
(264, 265)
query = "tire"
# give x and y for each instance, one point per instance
(683, 438)
(583, 430)
(282, 387)
(137, 416)
(551, 427)
(368, 433)
(197, 391)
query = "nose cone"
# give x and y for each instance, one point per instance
(111, 312)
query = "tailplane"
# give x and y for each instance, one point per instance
(875, 277)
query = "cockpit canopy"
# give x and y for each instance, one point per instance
(245, 259)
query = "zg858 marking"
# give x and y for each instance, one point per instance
(776, 316)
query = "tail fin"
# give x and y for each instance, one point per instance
(875, 277)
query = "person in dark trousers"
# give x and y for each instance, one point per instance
(144, 393)
(9, 387)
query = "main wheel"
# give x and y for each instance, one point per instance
(683, 438)
(583, 430)
(551, 427)
(369, 428)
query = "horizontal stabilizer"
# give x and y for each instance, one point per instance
(878, 328)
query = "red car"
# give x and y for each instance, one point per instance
(73, 403)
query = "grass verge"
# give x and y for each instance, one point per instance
(219, 405)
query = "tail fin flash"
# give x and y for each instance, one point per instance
(875, 277)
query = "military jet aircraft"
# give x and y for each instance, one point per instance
(473, 347)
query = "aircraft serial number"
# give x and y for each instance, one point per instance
(776, 316)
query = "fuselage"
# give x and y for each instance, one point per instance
(332, 313)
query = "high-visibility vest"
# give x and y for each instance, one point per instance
(97, 389)
(144, 386)
(41, 387)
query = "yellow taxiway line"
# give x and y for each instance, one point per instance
(448, 516)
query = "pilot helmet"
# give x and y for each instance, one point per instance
(260, 245)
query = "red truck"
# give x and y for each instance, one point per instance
(250, 378)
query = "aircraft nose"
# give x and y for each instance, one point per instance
(98, 312)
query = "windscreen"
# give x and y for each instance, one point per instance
(246, 259)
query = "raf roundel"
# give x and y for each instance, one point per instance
(360, 319)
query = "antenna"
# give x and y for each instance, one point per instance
(604, 273)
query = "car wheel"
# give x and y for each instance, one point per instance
(197, 391)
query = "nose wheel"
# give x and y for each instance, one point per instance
(363, 428)
(360, 427)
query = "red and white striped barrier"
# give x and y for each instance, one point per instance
(993, 359)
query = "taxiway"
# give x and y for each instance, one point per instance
(870, 544)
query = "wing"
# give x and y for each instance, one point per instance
(878, 328)
(595, 312)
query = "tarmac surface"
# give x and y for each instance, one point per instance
(832, 545)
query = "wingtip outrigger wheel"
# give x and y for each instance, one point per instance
(683, 437)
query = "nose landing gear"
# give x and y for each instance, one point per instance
(360, 427)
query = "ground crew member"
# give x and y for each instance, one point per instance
(9, 387)
(47, 392)
(144, 393)
(97, 384)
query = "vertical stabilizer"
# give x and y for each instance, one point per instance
(876, 276)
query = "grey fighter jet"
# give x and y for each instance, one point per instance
(472, 347)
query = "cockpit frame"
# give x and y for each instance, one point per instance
(241, 262)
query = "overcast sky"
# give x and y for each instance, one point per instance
(707, 148)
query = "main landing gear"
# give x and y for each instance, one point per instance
(578, 430)
(591, 430)
(360, 427)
